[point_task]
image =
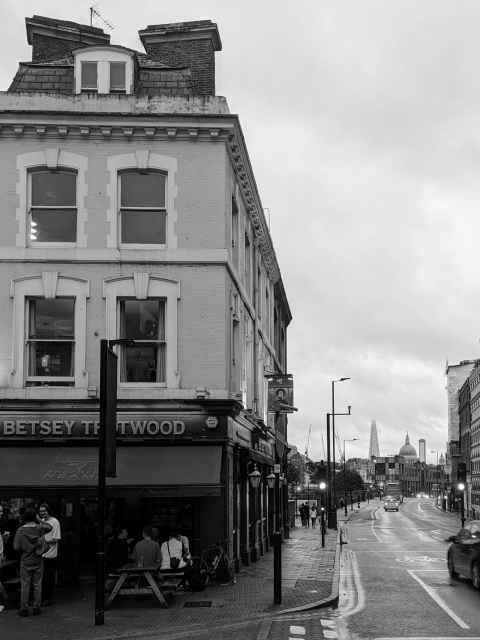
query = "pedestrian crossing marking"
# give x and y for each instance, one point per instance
(299, 631)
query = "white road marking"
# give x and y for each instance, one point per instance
(330, 634)
(441, 603)
(375, 533)
(299, 631)
(327, 623)
(428, 638)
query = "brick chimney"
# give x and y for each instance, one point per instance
(52, 39)
(186, 44)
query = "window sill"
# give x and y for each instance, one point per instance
(40, 393)
(147, 247)
(53, 245)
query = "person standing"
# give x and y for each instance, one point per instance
(50, 557)
(307, 515)
(313, 516)
(30, 542)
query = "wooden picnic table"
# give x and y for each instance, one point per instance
(172, 580)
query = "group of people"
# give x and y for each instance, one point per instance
(308, 514)
(35, 541)
(173, 553)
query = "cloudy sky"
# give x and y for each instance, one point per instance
(362, 120)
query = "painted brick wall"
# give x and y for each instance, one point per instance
(201, 317)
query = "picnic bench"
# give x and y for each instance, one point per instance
(133, 581)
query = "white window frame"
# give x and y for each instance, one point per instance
(143, 286)
(141, 159)
(121, 209)
(93, 89)
(50, 158)
(36, 243)
(157, 341)
(103, 56)
(48, 284)
(51, 380)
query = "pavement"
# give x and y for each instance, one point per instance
(310, 576)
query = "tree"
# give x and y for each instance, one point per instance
(351, 481)
(294, 472)
(318, 472)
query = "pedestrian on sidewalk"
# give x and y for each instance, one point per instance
(50, 557)
(313, 516)
(30, 541)
(307, 515)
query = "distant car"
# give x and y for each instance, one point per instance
(391, 504)
(463, 555)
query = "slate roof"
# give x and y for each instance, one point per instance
(152, 78)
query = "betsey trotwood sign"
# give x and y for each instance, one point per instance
(84, 426)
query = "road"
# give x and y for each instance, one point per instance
(394, 582)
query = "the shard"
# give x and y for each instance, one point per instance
(374, 450)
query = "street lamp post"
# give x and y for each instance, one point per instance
(332, 515)
(461, 488)
(255, 477)
(345, 476)
(273, 481)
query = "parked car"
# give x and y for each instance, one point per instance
(391, 504)
(463, 555)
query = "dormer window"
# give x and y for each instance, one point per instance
(89, 76)
(117, 77)
(104, 70)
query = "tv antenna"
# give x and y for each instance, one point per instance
(95, 13)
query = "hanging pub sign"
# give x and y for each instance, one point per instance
(280, 394)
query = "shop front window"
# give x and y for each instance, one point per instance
(50, 342)
(144, 322)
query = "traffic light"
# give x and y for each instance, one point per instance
(462, 472)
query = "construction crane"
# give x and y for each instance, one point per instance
(308, 441)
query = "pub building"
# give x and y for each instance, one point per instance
(130, 210)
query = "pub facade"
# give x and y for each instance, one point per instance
(130, 210)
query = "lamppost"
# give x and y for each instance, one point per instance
(255, 477)
(273, 482)
(461, 488)
(332, 507)
(345, 475)
(322, 486)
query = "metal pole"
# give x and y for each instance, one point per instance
(344, 482)
(277, 545)
(330, 518)
(462, 509)
(322, 524)
(334, 493)
(100, 555)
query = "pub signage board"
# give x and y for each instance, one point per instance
(129, 425)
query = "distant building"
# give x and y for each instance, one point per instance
(456, 376)
(374, 449)
(422, 453)
(408, 451)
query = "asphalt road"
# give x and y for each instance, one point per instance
(394, 582)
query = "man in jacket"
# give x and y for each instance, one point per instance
(29, 541)
(50, 556)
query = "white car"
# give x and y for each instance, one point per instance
(391, 505)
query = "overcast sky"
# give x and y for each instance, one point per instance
(362, 120)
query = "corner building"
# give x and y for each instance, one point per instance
(130, 210)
